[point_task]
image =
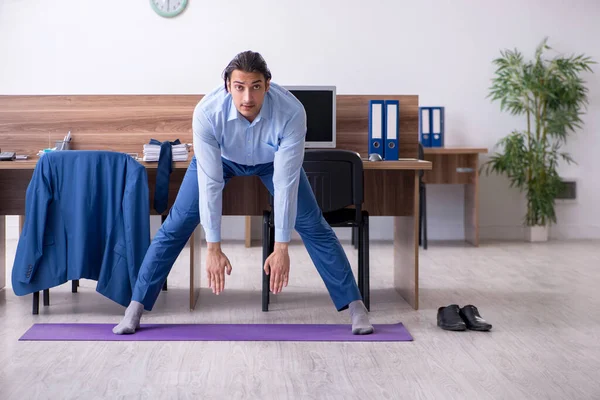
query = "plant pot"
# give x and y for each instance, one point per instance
(537, 233)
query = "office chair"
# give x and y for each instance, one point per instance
(35, 306)
(113, 280)
(35, 309)
(422, 203)
(336, 178)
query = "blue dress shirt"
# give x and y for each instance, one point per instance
(276, 135)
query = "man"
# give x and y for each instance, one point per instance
(248, 126)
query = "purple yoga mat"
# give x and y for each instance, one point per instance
(218, 332)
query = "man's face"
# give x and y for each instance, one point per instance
(248, 91)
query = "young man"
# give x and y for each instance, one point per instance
(248, 126)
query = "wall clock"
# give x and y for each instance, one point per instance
(168, 8)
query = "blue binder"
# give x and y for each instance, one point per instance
(392, 129)
(437, 126)
(425, 126)
(376, 126)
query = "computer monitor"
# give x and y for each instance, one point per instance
(319, 103)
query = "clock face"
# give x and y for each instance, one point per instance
(168, 8)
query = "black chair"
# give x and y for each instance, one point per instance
(75, 284)
(422, 203)
(35, 308)
(336, 177)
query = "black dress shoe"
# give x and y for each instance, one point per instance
(473, 320)
(448, 318)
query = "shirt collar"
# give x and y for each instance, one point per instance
(266, 111)
(233, 112)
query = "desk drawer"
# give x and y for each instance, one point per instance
(451, 168)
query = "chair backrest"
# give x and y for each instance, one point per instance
(336, 177)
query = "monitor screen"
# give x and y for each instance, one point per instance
(319, 104)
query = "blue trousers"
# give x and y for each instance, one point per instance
(319, 238)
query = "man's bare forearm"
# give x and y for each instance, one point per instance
(281, 246)
(214, 246)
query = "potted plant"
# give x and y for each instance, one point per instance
(550, 94)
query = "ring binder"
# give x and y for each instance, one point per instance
(376, 127)
(392, 115)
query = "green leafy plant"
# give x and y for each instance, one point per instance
(551, 94)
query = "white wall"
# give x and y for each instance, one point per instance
(440, 50)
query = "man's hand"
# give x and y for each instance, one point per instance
(216, 263)
(277, 266)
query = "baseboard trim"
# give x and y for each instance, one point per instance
(557, 232)
(501, 232)
(566, 232)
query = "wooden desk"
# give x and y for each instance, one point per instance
(391, 189)
(125, 122)
(458, 165)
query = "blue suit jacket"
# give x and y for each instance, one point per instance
(86, 216)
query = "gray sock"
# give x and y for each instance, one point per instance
(360, 318)
(131, 320)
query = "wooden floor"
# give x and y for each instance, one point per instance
(542, 299)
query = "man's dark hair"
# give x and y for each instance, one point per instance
(247, 61)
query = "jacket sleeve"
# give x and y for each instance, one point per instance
(136, 218)
(31, 242)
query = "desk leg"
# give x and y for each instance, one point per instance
(195, 266)
(406, 252)
(2, 251)
(248, 236)
(472, 208)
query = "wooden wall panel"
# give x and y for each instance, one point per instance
(104, 122)
(125, 122)
(96, 102)
(353, 123)
(31, 143)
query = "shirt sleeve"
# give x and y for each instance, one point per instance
(286, 175)
(210, 175)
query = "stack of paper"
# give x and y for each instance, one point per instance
(152, 152)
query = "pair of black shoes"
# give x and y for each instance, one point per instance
(454, 318)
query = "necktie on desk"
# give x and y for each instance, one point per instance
(163, 172)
